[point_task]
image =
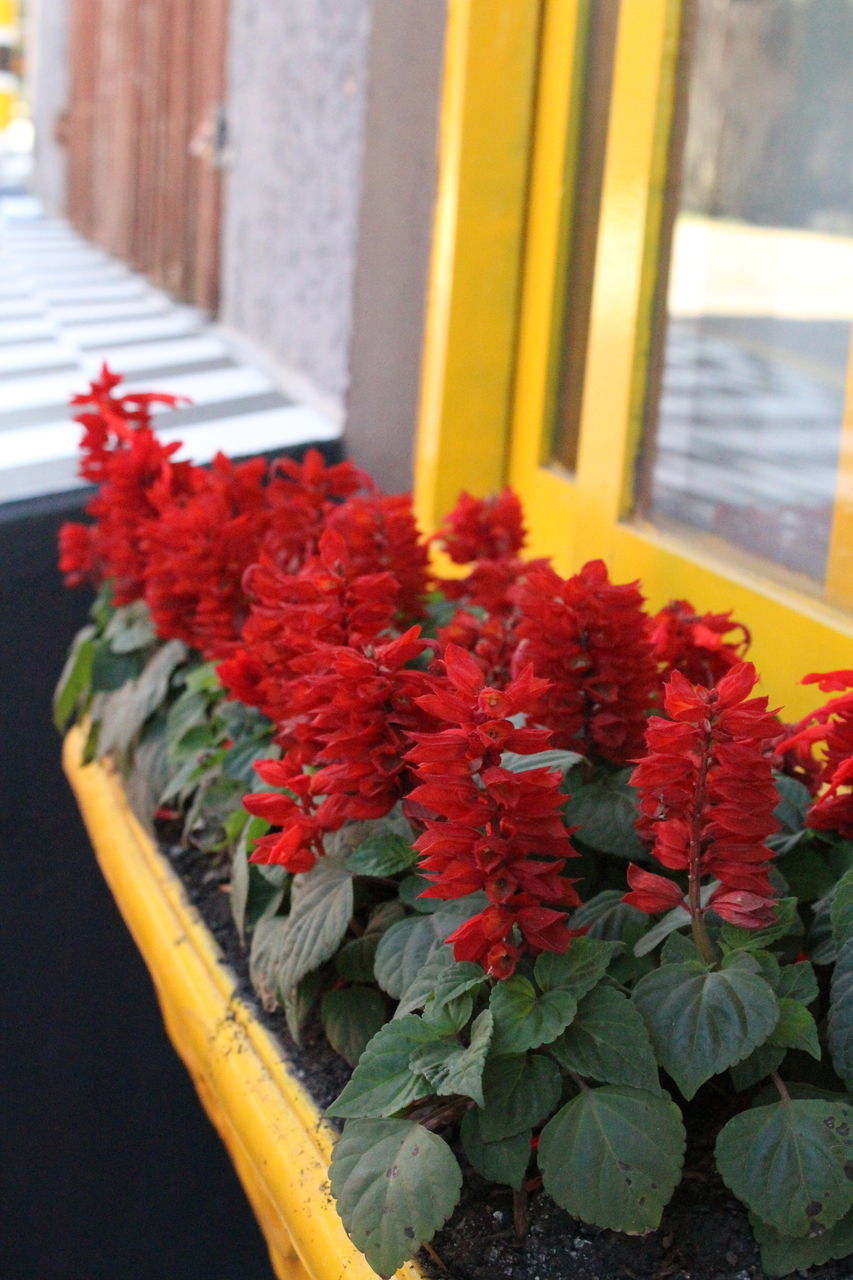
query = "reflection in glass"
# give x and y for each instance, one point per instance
(760, 281)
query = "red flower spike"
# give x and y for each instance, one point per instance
(590, 638)
(487, 828)
(707, 799)
(830, 728)
(482, 528)
(703, 647)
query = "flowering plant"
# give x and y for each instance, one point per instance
(452, 807)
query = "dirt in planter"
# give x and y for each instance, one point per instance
(704, 1234)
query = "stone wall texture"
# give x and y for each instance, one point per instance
(296, 99)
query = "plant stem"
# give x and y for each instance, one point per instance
(701, 938)
(781, 1086)
(519, 1211)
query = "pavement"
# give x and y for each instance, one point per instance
(65, 307)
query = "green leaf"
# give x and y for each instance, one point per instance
(239, 759)
(453, 981)
(678, 948)
(798, 982)
(422, 985)
(780, 1255)
(255, 890)
(299, 1001)
(577, 970)
(756, 1066)
(608, 1041)
(519, 1092)
(608, 917)
(321, 903)
(407, 945)
(794, 801)
(452, 1016)
(76, 677)
(410, 892)
(839, 1023)
(796, 1029)
(524, 1019)
(130, 628)
(351, 1018)
(203, 679)
(703, 1022)
(269, 942)
(612, 1156)
(820, 943)
(605, 810)
(127, 710)
(382, 854)
(395, 1183)
(841, 910)
(504, 1161)
(111, 670)
(787, 1163)
(807, 874)
(553, 759)
(454, 1068)
(383, 1081)
(787, 921)
(355, 960)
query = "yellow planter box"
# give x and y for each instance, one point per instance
(276, 1137)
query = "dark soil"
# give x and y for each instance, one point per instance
(704, 1234)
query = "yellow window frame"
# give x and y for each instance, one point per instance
(504, 159)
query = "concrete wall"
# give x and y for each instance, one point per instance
(46, 36)
(399, 179)
(297, 80)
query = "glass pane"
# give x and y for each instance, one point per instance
(597, 49)
(760, 298)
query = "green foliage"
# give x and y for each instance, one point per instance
(608, 1041)
(604, 809)
(503, 1160)
(634, 1140)
(394, 1183)
(519, 1092)
(384, 1082)
(74, 684)
(839, 1023)
(525, 1018)
(321, 902)
(702, 1022)
(451, 1067)
(787, 1162)
(384, 853)
(351, 1018)
(781, 1254)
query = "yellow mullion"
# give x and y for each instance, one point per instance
(839, 565)
(491, 52)
(547, 489)
(792, 633)
(627, 265)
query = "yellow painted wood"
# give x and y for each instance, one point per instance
(277, 1139)
(487, 97)
(839, 567)
(547, 488)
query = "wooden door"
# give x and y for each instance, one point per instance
(145, 136)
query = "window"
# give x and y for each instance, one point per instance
(488, 380)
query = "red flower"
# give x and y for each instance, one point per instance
(707, 799)
(485, 827)
(589, 637)
(695, 644)
(830, 728)
(482, 528)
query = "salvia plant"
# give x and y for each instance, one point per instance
(555, 881)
